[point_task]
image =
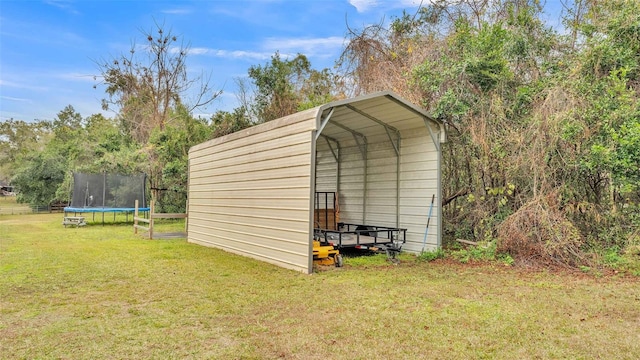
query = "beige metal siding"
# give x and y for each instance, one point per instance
(249, 192)
(381, 182)
(351, 183)
(379, 207)
(326, 167)
(418, 182)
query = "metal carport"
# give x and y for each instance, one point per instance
(252, 192)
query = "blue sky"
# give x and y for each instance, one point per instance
(48, 48)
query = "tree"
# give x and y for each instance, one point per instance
(39, 177)
(600, 133)
(284, 87)
(145, 90)
(170, 147)
(224, 122)
(17, 139)
(151, 92)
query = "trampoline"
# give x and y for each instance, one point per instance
(107, 193)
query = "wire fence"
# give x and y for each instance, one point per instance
(13, 208)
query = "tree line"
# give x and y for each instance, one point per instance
(543, 123)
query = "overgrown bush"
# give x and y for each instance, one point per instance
(539, 233)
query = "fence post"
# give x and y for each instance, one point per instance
(135, 218)
(151, 220)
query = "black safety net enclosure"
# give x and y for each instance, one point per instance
(108, 191)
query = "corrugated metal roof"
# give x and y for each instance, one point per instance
(368, 115)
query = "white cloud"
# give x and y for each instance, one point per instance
(412, 3)
(366, 5)
(288, 47)
(195, 51)
(75, 76)
(363, 5)
(241, 54)
(64, 5)
(177, 11)
(312, 46)
(22, 85)
(228, 54)
(9, 98)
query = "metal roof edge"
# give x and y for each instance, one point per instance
(386, 93)
(299, 116)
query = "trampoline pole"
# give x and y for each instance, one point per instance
(104, 191)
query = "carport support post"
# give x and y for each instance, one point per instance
(364, 149)
(436, 143)
(398, 183)
(439, 191)
(336, 156)
(396, 148)
(323, 123)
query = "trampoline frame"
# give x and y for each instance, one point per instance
(102, 188)
(103, 210)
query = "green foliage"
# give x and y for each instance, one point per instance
(40, 172)
(485, 64)
(505, 259)
(170, 147)
(38, 178)
(624, 260)
(44, 155)
(485, 251)
(284, 87)
(224, 122)
(432, 255)
(541, 111)
(18, 139)
(613, 257)
(626, 157)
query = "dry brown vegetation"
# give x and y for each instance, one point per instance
(539, 233)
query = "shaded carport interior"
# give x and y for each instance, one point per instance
(386, 164)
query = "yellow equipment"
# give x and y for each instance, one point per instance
(326, 254)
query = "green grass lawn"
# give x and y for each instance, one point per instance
(100, 292)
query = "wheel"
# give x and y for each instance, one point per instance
(338, 260)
